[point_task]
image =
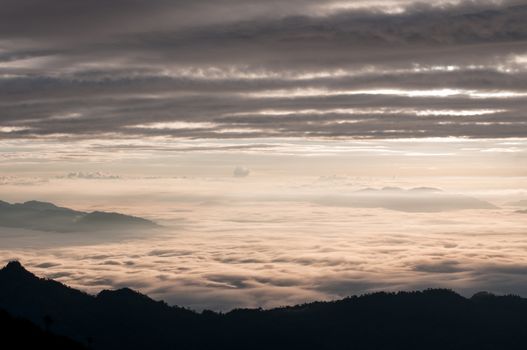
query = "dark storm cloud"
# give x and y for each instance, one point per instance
(87, 68)
(29, 18)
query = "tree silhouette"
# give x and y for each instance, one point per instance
(48, 322)
(432, 319)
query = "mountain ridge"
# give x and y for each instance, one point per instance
(46, 216)
(20, 333)
(126, 319)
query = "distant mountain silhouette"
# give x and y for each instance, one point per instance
(45, 216)
(520, 203)
(419, 199)
(125, 319)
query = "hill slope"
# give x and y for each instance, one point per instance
(22, 334)
(124, 319)
(45, 216)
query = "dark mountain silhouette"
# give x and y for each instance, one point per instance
(125, 319)
(101, 218)
(18, 333)
(45, 216)
(425, 189)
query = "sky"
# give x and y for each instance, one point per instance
(291, 150)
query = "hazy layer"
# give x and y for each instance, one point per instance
(232, 242)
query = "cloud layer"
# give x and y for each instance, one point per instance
(243, 69)
(273, 255)
(246, 242)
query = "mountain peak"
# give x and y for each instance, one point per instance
(14, 265)
(123, 295)
(119, 292)
(15, 268)
(111, 218)
(483, 296)
(39, 205)
(45, 216)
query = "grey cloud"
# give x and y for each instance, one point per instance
(198, 62)
(117, 84)
(514, 269)
(97, 175)
(413, 200)
(46, 265)
(360, 126)
(33, 17)
(177, 148)
(337, 38)
(279, 282)
(169, 252)
(230, 281)
(447, 266)
(241, 171)
(60, 274)
(101, 281)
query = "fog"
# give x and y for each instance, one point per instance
(247, 242)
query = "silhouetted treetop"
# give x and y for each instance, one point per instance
(126, 319)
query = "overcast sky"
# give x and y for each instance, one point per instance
(252, 69)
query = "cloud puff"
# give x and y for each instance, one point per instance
(241, 171)
(97, 175)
